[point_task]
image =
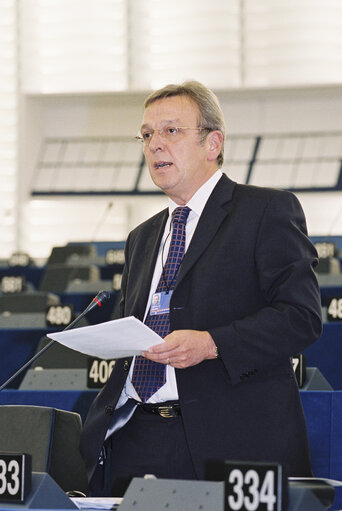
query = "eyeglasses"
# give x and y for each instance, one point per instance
(170, 133)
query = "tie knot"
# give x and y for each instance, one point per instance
(180, 215)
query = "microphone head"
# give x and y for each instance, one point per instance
(101, 297)
(97, 301)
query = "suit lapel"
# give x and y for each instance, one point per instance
(215, 211)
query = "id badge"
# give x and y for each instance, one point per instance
(160, 303)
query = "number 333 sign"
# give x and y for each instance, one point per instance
(253, 486)
(15, 476)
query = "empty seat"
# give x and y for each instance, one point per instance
(51, 436)
(59, 356)
(62, 254)
(27, 302)
(56, 277)
(329, 265)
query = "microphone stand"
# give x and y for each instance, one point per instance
(101, 297)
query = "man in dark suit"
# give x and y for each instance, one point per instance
(243, 301)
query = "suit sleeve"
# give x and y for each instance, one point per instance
(290, 319)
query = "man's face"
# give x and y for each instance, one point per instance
(178, 166)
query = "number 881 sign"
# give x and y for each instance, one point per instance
(253, 486)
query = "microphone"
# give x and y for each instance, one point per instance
(97, 301)
(101, 221)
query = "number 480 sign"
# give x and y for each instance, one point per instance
(253, 486)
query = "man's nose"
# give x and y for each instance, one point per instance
(157, 141)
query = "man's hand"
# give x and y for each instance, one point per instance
(183, 348)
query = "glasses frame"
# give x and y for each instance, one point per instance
(160, 131)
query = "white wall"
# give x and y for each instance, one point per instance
(86, 51)
(48, 222)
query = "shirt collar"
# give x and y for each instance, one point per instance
(199, 199)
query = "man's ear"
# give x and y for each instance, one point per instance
(214, 144)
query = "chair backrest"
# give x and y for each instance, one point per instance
(27, 302)
(329, 265)
(52, 438)
(59, 356)
(62, 254)
(56, 277)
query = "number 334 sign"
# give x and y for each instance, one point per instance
(253, 486)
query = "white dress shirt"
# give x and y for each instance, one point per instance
(169, 392)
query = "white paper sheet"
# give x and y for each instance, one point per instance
(113, 339)
(97, 502)
(332, 482)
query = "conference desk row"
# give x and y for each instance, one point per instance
(323, 411)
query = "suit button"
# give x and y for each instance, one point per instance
(126, 365)
(109, 409)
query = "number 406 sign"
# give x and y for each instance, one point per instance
(253, 486)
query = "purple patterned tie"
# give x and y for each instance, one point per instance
(149, 376)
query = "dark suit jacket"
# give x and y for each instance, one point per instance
(247, 277)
